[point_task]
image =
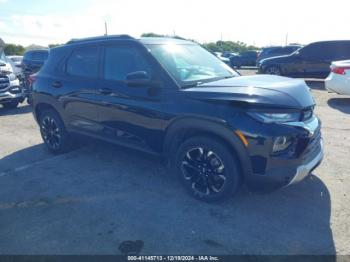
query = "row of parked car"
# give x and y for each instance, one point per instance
(253, 57)
(326, 59)
(16, 74)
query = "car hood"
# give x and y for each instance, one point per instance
(258, 90)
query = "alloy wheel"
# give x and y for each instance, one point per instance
(204, 170)
(51, 132)
(273, 70)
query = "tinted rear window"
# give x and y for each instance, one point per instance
(83, 62)
(39, 56)
(330, 51)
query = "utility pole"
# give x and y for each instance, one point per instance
(106, 30)
(287, 39)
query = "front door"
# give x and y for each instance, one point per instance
(130, 115)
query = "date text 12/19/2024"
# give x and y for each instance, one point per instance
(173, 258)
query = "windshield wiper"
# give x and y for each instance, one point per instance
(195, 84)
(227, 77)
(190, 85)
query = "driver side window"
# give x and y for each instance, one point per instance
(119, 61)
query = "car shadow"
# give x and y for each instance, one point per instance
(24, 157)
(16, 111)
(340, 103)
(103, 188)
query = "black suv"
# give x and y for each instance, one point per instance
(313, 60)
(174, 99)
(32, 62)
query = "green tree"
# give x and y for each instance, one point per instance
(229, 46)
(12, 49)
(152, 35)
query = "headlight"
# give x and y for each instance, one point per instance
(276, 117)
(12, 77)
(281, 143)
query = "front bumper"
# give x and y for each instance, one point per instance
(305, 169)
(8, 94)
(271, 171)
(8, 97)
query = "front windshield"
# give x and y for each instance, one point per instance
(190, 64)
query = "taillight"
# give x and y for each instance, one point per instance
(340, 70)
(32, 79)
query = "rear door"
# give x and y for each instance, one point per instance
(77, 88)
(316, 60)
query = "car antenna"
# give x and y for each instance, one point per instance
(106, 29)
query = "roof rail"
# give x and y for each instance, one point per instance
(96, 38)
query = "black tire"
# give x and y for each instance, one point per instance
(273, 70)
(54, 133)
(29, 100)
(11, 105)
(210, 176)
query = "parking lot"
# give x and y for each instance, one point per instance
(92, 200)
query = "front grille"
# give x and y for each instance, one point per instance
(4, 82)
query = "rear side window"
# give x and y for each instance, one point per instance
(83, 62)
(27, 56)
(120, 61)
(342, 50)
(322, 51)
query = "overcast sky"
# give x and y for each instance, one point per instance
(259, 22)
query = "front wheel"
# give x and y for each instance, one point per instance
(207, 168)
(273, 70)
(53, 132)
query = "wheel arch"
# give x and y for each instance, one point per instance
(42, 106)
(279, 66)
(187, 127)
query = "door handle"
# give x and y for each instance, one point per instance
(105, 91)
(57, 84)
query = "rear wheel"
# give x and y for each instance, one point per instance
(11, 105)
(53, 132)
(273, 70)
(207, 168)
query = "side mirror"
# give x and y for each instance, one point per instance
(140, 79)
